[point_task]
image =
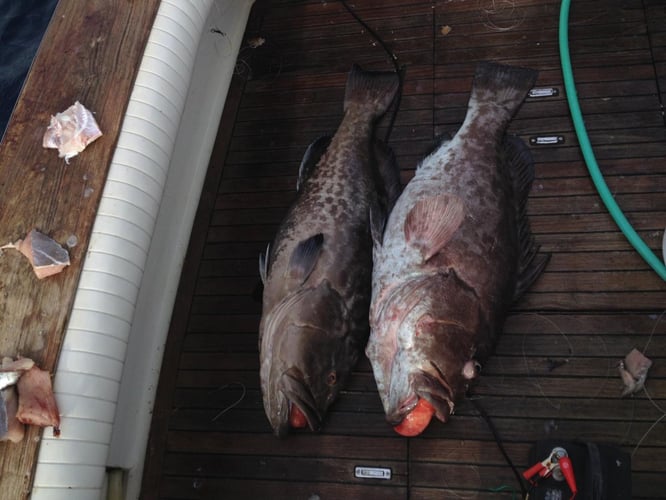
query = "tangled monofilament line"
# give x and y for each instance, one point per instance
(659, 408)
(235, 403)
(496, 8)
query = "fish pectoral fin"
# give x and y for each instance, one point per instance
(304, 258)
(432, 222)
(310, 159)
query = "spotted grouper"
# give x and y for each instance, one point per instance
(317, 271)
(455, 252)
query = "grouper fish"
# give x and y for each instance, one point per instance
(316, 272)
(455, 252)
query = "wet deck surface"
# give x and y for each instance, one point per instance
(554, 373)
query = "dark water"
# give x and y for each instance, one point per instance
(22, 26)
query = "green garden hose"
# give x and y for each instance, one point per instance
(588, 154)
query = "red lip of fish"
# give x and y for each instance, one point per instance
(454, 253)
(316, 273)
(417, 420)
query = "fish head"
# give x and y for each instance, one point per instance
(437, 328)
(306, 356)
(439, 375)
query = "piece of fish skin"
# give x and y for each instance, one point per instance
(71, 131)
(316, 274)
(10, 428)
(9, 378)
(455, 252)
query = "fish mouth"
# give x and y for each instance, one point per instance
(434, 389)
(299, 399)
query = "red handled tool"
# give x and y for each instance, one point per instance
(557, 461)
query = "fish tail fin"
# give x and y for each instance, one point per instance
(519, 162)
(506, 86)
(372, 91)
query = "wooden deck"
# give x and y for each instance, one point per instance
(554, 372)
(77, 60)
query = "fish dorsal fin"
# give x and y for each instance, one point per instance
(310, 159)
(432, 221)
(518, 161)
(304, 258)
(520, 165)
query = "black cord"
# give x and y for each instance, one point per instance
(498, 440)
(394, 60)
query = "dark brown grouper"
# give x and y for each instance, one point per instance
(455, 252)
(317, 271)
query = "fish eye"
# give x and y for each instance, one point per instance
(331, 378)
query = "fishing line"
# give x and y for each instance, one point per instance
(556, 406)
(500, 444)
(497, 10)
(235, 403)
(394, 60)
(654, 329)
(659, 408)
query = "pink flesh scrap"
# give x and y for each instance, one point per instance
(45, 254)
(37, 405)
(71, 131)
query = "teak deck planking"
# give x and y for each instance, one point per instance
(554, 371)
(91, 52)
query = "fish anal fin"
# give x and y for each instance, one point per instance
(304, 258)
(529, 273)
(432, 222)
(310, 159)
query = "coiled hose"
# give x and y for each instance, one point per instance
(588, 154)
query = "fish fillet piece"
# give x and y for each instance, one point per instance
(37, 404)
(10, 372)
(71, 131)
(45, 255)
(633, 370)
